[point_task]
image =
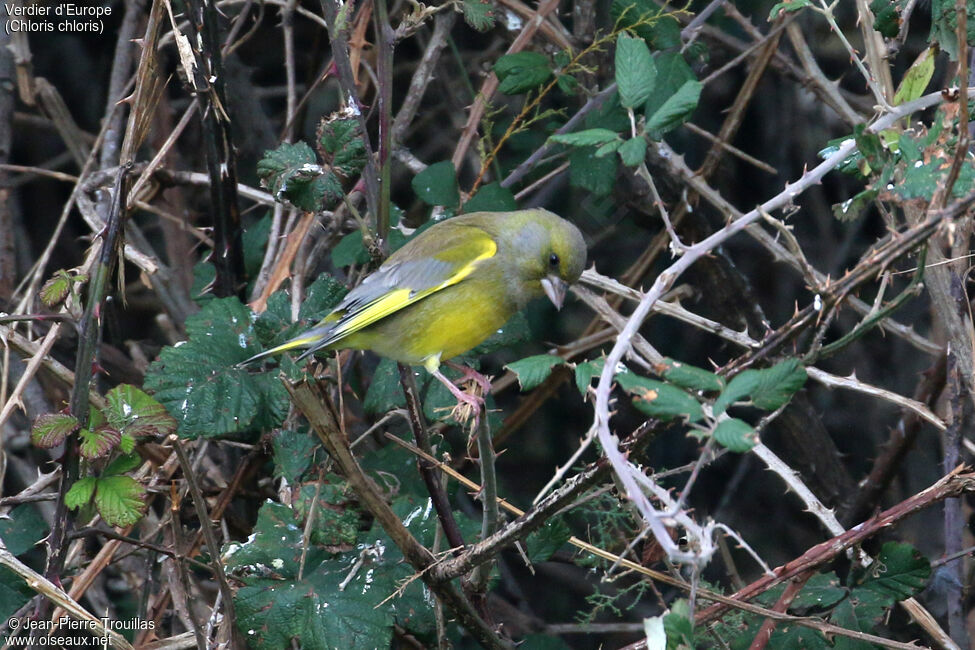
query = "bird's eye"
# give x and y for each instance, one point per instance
(553, 260)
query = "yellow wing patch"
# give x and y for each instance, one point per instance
(398, 299)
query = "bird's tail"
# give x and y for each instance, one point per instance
(313, 340)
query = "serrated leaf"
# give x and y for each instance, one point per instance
(522, 71)
(491, 198)
(350, 250)
(57, 287)
(133, 412)
(635, 71)
(860, 615)
(585, 371)
(291, 172)
(735, 435)
(853, 208)
(633, 151)
(124, 463)
(678, 625)
(324, 293)
(586, 171)
(437, 184)
(544, 542)
(648, 21)
(787, 7)
(917, 78)
(658, 399)
(200, 384)
(347, 596)
(479, 14)
(585, 138)
(899, 572)
(532, 371)
(22, 528)
(340, 143)
(821, 591)
(98, 442)
(677, 108)
(385, 392)
(769, 388)
(120, 500)
(691, 377)
(887, 17)
(50, 429)
(80, 493)
(609, 148)
(294, 453)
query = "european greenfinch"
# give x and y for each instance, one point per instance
(450, 288)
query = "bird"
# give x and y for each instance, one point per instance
(450, 288)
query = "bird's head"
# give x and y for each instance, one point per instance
(551, 252)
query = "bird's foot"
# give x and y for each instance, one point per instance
(469, 374)
(469, 405)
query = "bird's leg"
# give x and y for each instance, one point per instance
(474, 402)
(469, 374)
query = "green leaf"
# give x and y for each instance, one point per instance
(522, 71)
(124, 463)
(254, 240)
(769, 388)
(294, 453)
(132, 412)
(341, 145)
(50, 429)
(348, 594)
(385, 392)
(635, 71)
(586, 137)
(585, 372)
(57, 288)
(80, 493)
(917, 78)
(120, 500)
(887, 17)
(14, 593)
(633, 151)
(350, 250)
(851, 209)
(944, 26)
(609, 148)
(647, 20)
(291, 172)
(858, 614)
(677, 108)
(735, 435)
(98, 442)
(899, 572)
(678, 625)
(532, 371)
(787, 7)
(691, 377)
(200, 385)
(324, 294)
(660, 400)
(22, 528)
(821, 591)
(479, 14)
(437, 185)
(491, 198)
(544, 542)
(672, 73)
(586, 171)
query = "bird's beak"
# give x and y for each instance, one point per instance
(555, 288)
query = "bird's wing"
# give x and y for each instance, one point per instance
(422, 267)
